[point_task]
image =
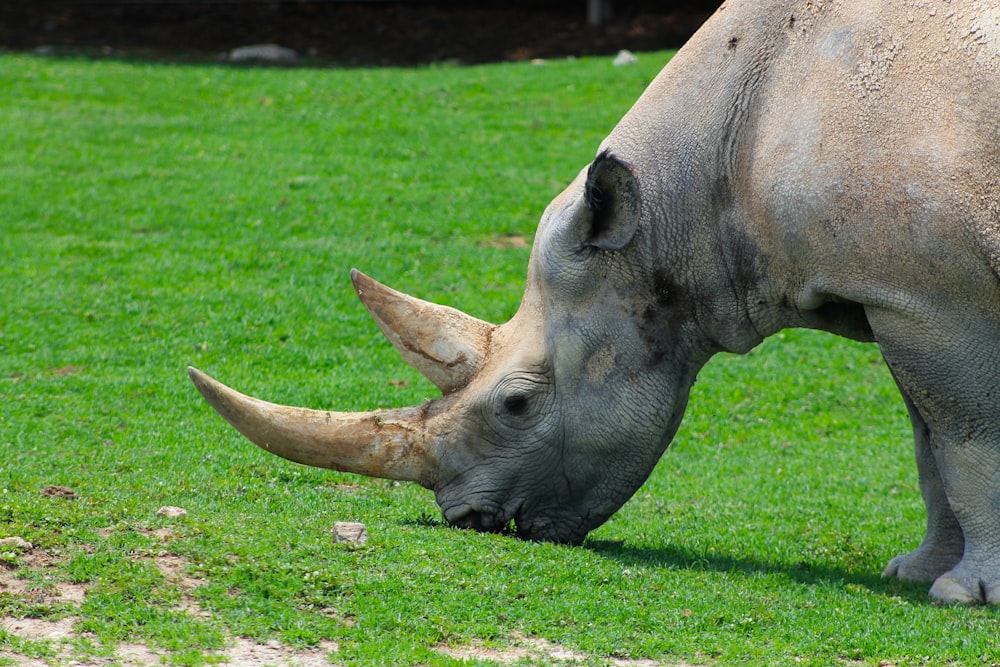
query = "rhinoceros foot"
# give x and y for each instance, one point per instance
(922, 564)
(964, 586)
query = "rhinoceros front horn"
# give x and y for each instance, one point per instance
(444, 344)
(385, 443)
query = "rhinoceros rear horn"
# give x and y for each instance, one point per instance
(445, 345)
(612, 197)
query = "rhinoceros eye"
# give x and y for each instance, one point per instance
(518, 401)
(516, 405)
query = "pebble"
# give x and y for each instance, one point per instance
(350, 532)
(171, 512)
(264, 53)
(625, 57)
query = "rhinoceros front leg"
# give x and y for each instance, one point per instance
(948, 364)
(971, 475)
(944, 542)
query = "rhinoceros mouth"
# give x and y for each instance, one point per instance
(483, 522)
(518, 523)
(494, 520)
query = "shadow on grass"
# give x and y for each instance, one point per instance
(677, 558)
(804, 573)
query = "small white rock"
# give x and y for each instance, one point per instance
(264, 53)
(625, 57)
(350, 532)
(171, 512)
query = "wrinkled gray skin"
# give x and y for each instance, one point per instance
(808, 163)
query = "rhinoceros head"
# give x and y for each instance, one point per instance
(550, 421)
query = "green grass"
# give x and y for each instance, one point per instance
(155, 216)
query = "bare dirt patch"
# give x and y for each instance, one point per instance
(42, 588)
(133, 655)
(537, 649)
(36, 629)
(174, 569)
(250, 654)
(241, 652)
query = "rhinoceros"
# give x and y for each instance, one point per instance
(799, 163)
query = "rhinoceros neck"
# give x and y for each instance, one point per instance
(724, 224)
(687, 137)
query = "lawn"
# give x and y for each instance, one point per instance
(156, 216)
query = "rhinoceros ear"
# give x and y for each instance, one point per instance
(612, 197)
